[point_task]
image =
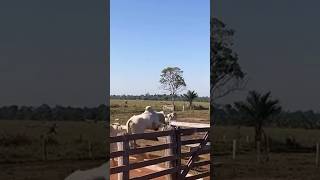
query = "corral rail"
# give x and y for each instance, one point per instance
(172, 146)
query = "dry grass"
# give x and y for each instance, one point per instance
(21, 149)
(281, 166)
(21, 140)
(120, 110)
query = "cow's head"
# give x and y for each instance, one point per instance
(172, 116)
(148, 108)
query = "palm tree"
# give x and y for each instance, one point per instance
(190, 96)
(259, 108)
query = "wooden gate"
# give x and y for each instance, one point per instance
(173, 140)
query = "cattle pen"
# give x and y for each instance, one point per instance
(178, 161)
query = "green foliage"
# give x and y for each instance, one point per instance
(226, 73)
(155, 97)
(259, 108)
(190, 96)
(171, 80)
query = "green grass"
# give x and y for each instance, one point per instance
(21, 140)
(119, 111)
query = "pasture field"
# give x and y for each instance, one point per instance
(21, 149)
(120, 110)
(286, 162)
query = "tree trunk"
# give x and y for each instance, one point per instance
(257, 133)
(266, 144)
(172, 99)
(190, 104)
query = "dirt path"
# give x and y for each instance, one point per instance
(190, 125)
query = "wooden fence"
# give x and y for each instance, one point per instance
(172, 146)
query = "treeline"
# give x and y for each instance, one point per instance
(156, 97)
(57, 113)
(227, 115)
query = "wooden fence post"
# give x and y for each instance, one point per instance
(258, 151)
(44, 148)
(317, 154)
(268, 148)
(178, 151)
(234, 149)
(120, 158)
(124, 160)
(170, 152)
(89, 149)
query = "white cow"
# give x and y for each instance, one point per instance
(170, 116)
(98, 173)
(115, 130)
(149, 119)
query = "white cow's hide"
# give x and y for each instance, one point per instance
(99, 173)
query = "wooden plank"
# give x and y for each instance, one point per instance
(198, 176)
(149, 135)
(151, 162)
(202, 163)
(191, 141)
(118, 169)
(190, 131)
(196, 145)
(171, 152)
(120, 160)
(142, 150)
(157, 174)
(189, 125)
(140, 136)
(116, 154)
(195, 154)
(178, 152)
(151, 148)
(126, 161)
(202, 151)
(116, 139)
(197, 164)
(184, 132)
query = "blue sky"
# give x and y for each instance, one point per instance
(149, 35)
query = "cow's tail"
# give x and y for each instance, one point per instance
(129, 131)
(128, 126)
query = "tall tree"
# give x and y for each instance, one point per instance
(171, 79)
(259, 108)
(226, 73)
(190, 96)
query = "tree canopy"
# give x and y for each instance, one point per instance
(226, 72)
(171, 80)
